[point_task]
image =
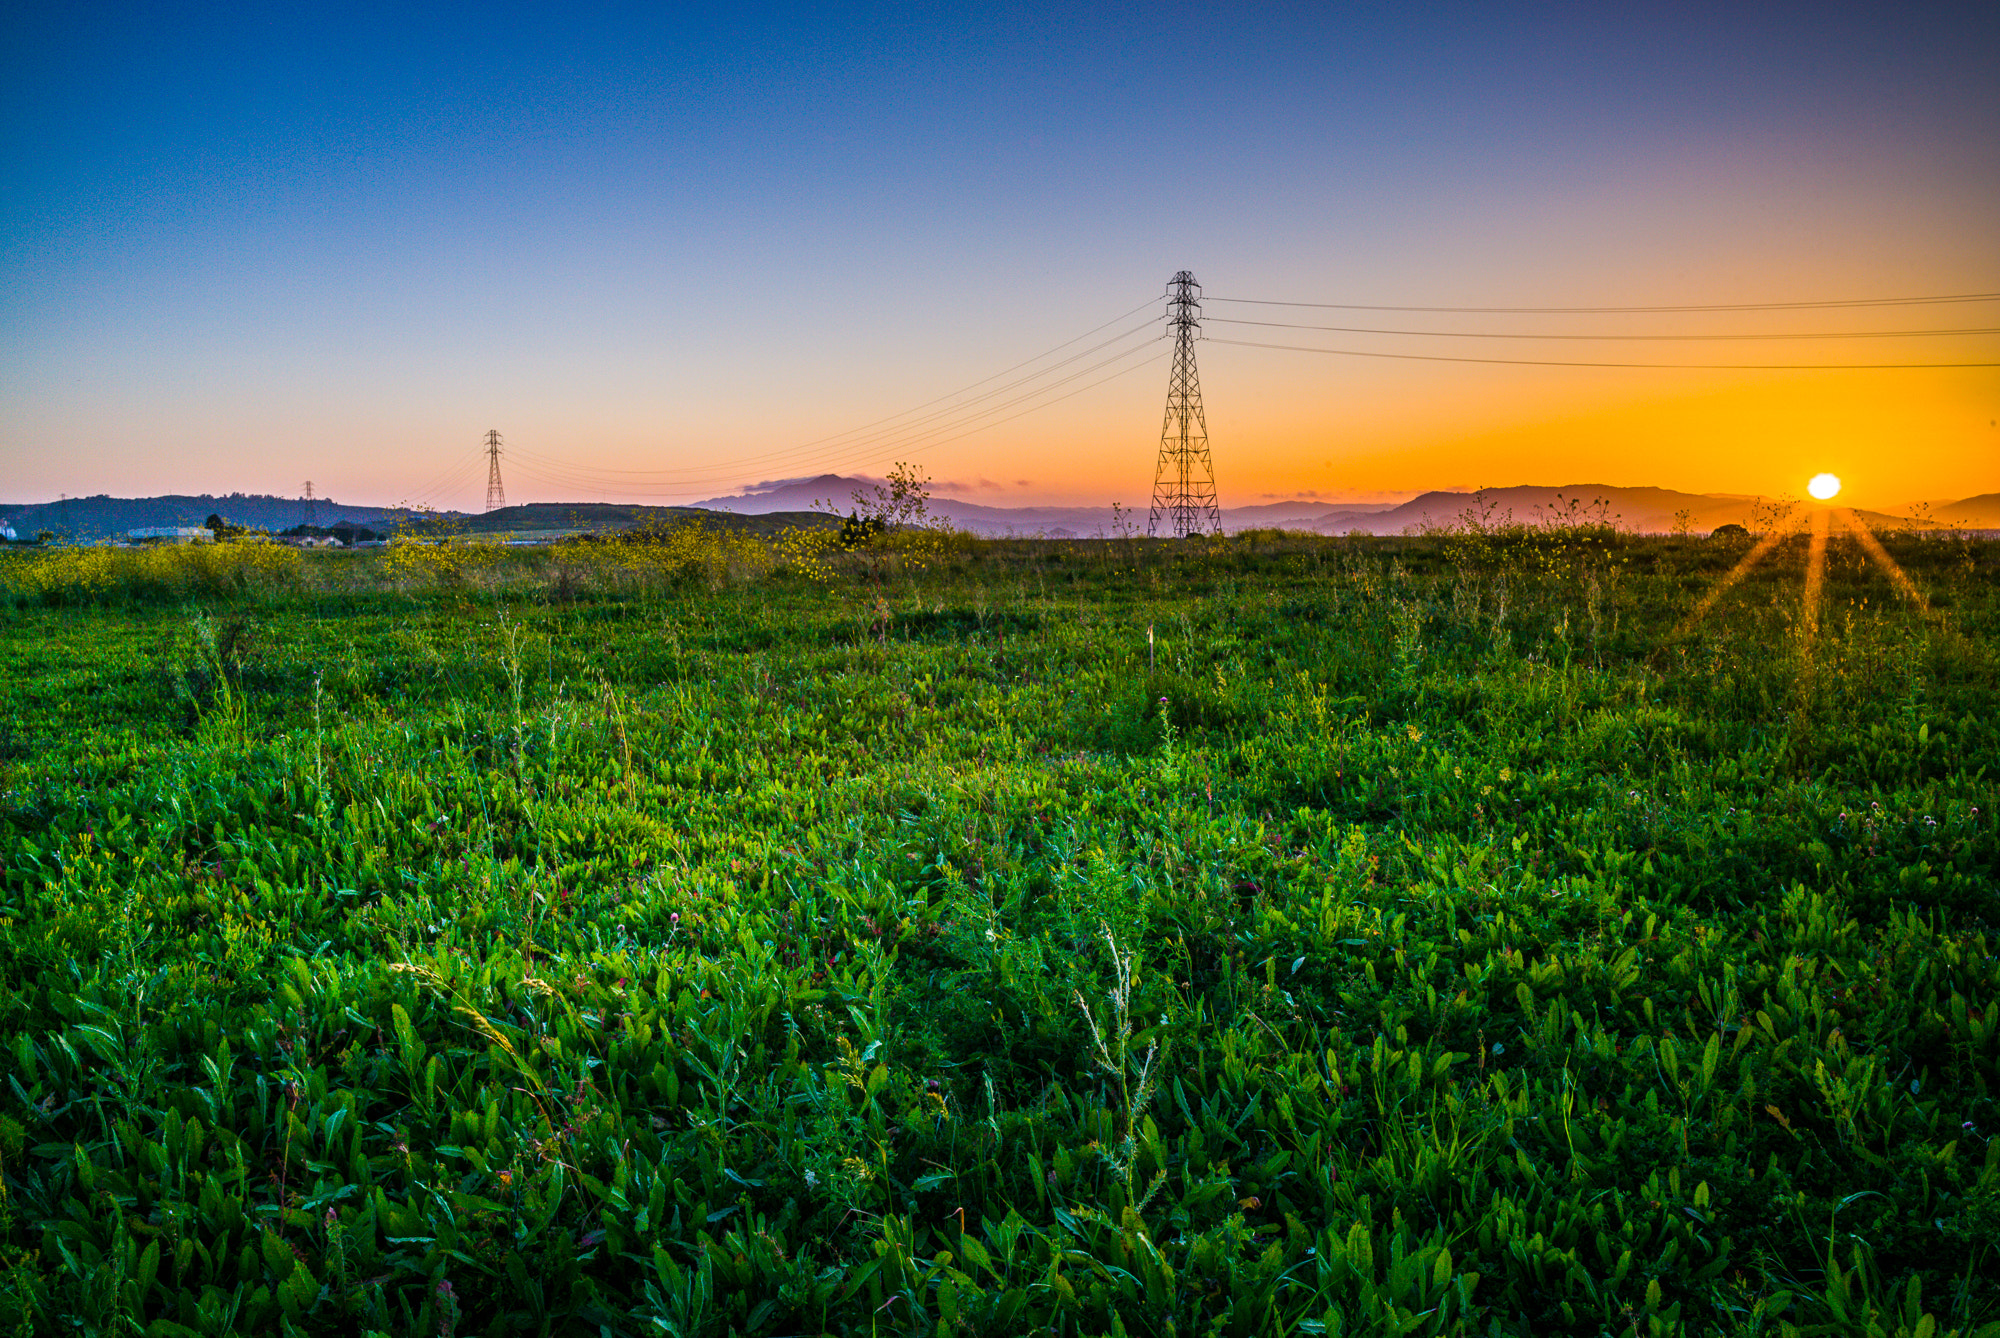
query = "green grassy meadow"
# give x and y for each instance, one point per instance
(1262, 936)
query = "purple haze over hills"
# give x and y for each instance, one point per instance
(1641, 510)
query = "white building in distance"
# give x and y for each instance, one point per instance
(172, 534)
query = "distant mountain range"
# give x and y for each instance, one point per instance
(1056, 522)
(803, 501)
(837, 492)
(1643, 510)
(608, 517)
(1973, 513)
(83, 519)
(102, 517)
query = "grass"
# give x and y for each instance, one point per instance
(701, 936)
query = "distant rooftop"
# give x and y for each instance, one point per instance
(196, 532)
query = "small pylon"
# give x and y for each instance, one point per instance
(1184, 482)
(312, 505)
(496, 496)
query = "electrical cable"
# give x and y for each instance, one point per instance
(952, 416)
(1605, 311)
(899, 438)
(451, 481)
(1509, 334)
(918, 445)
(834, 437)
(599, 478)
(1673, 366)
(450, 473)
(836, 442)
(636, 491)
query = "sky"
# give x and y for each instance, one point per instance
(671, 251)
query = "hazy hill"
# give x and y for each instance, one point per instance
(1645, 510)
(104, 517)
(1086, 522)
(611, 517)
(1297, 514)
(86, 518)
(772, 507)
(603, 517)
(1981, 512)
(838, 491)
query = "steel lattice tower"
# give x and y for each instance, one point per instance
(496, 496)
(312, 505)
(1184, 482)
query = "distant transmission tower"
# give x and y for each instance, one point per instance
(496, 496)
(312, 506)
(1184, 482)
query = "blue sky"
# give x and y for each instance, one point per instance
(242, 246)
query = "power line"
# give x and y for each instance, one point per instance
(1607, 311)
(924, 440)
(1513, 334)
(1002, 372)
(961, 412)
(450, 474)
(1670, 366)
(889, 427)
(967, 427)
(838, 463)
(837, 437)
(909, 435)
(1032, 408)
(888, 432)
(453, 479)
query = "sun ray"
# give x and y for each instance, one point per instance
(1731, 577)
(1815, 577)
(1809, 603)
(1819, 521)
(1874, 548)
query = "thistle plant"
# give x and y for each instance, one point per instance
(1113, 1052)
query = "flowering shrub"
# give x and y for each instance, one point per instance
(76, 574)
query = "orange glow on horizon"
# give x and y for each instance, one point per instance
(1723, 433)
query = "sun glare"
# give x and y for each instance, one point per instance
(1824, 486)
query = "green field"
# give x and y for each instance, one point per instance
(1264, 936)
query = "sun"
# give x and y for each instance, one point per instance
(1824, 486)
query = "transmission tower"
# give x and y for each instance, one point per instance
(1184, 482)
(312, 506)
(496, 496)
